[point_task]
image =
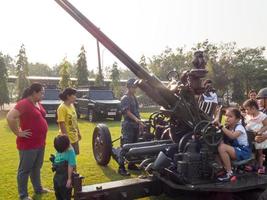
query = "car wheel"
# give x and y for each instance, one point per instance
(118, 117)
(91, 115)
(102, 144)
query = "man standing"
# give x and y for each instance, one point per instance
(252, 94)
(262, 100)
(130, 124)
(208, 101)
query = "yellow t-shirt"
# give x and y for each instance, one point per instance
(68, 115)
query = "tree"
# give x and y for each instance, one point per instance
(82, 71)
(99, 80)
(4, 97)
(10, 65)
(115, 80)
(39, 69)
(65, 74)
(22, 71)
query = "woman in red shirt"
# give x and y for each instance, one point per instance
(31, 135)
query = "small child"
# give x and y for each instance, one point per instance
(239, 149)
(257, 122)
(64, 164)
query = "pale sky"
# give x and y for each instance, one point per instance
(137, 26)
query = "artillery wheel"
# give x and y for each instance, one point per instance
(102, 144)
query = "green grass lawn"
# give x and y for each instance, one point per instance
(87, 166)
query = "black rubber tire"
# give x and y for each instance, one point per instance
(92, 116)
(102, 144)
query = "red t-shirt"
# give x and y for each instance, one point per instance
(31, 118)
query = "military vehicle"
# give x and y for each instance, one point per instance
(97, 103)
(182, 166)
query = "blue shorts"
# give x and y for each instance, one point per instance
(242, 152)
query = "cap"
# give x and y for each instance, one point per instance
(131, 83)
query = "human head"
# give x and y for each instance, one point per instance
(207, 83)
(251, 106)
(252, 94)
(131, 85)
(68, 95)
(61, 143)
(233, 116)
(262, 98)
(35, 91)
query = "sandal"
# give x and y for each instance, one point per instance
(261, 170)
(249, 168)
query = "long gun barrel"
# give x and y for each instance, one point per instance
(150, 84)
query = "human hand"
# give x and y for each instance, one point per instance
(68, 184)
(24, 134)
(260, 138)
(216, 123)
(79, 136)
(141, 124)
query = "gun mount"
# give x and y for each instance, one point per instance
(182, 162)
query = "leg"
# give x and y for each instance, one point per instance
(36, 171)
(227, 153)
(27, 159)
(260, 158)
(76, 147)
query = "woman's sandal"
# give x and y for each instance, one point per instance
(261, 170)
(249, 168)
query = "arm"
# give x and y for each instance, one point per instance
(69, 181)
(231, 134)
(134, 118)
(264, 128)
(62, 127)
(79, 134)
(262, 137)
(12, 120)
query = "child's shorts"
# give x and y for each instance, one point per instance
(242, 152)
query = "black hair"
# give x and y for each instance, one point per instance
(237, 114)
(61, 143)
(251, 103)
(252, 91)
(35, 87)
(67, 92)
(207, 81)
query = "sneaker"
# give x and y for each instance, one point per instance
(226, 177)
(133, 167)
(261, 170)
(122, 171)
(43, 191)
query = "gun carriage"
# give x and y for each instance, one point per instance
(183, 162)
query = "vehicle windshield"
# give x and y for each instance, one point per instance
(101, 95)
(51, 95)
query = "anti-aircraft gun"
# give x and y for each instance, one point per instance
(184, 163)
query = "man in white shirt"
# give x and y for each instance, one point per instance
(208, 101)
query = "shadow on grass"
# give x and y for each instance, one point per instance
(38, 197)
